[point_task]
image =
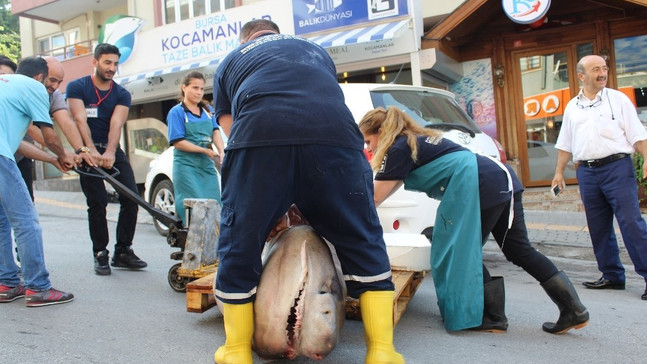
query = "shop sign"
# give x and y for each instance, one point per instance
(370, 50)
(546, 105)
(121, 31)
(320, 15)
(197, 39)
(552, 104)
(525, 11)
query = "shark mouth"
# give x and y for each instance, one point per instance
(295, 317)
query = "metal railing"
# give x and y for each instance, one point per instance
(71, 51)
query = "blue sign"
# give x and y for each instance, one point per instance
(318, 15)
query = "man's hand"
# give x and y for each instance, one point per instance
(67, 161)
(107, 159)
(58, 166)
(558, 180)
(88, 159)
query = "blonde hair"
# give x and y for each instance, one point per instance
(389, 124)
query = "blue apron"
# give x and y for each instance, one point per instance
(194, 174)
(456, 257)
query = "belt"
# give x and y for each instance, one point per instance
(104, 145)
(595, 163)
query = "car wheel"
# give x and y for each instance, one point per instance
(164, 200)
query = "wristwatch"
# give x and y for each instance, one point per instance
(83, 149)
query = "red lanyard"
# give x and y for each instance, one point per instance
(96, 90)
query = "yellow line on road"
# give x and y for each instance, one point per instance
(49, 201)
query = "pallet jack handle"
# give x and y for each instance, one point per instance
(164, 218)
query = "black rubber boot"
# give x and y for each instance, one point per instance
(494, 319)
(572, 313)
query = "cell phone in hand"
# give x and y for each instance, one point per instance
(556, 190)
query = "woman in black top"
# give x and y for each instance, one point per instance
(405, 152)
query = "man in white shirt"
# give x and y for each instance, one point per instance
(600, 132)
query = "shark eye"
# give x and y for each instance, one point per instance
(327, 287)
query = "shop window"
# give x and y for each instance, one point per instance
(178, 10)
(631, 71)
(530, 63)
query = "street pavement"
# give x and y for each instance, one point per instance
(135, 317)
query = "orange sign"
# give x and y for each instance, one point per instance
(546, 105)
(551, 104)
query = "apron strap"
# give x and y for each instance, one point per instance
(510, 188)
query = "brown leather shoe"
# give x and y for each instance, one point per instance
(604, 283)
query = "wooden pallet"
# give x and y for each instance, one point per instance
(199, 294)
(200, 298)
(406, 284)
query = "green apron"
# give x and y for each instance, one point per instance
(194, 174)
(456, 256)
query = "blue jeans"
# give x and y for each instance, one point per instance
(17, 211)
(607, 191)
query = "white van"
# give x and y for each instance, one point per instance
(404, 211)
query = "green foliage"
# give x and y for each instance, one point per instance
(9, 32)
(642, 182)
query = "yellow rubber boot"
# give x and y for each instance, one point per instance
(377, 315)
(239, 328)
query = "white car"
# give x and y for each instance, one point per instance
(404, 211)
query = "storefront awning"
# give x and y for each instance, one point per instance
(184, 67)
(362, 35)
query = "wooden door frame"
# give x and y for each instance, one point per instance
(518, 98)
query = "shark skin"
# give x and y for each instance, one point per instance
(300, 300)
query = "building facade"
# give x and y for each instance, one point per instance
(512, 77)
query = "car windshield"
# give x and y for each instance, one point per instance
(426, 108)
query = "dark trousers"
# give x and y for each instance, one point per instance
(514, 242)
(26, 167)
(97, 201)
(607, 191)
(331, 186)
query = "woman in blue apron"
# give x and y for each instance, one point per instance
(478, 196)
(192, 129)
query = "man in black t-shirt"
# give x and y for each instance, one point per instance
(100, 108)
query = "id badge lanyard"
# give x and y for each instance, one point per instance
(93, 109)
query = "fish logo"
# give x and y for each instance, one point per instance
(121, 31)
(525, 11)
(323, 6)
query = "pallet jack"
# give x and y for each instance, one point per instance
(198, 243)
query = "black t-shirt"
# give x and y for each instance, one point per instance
(493, 181)
(104, 101)
(283, 90)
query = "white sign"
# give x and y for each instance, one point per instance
(201, 38)
(525, 11)
(370, 50)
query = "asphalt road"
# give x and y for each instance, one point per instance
(135, 317)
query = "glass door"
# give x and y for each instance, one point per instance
(548, 82)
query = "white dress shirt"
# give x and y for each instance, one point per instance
(594, 129)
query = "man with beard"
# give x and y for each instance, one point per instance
(100, 108)
(23, 100)
(58, 111)
(600, 132)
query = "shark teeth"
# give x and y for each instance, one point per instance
(293, 326)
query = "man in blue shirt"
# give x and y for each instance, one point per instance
(292, 140)
(100, 108)
(23, 99)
